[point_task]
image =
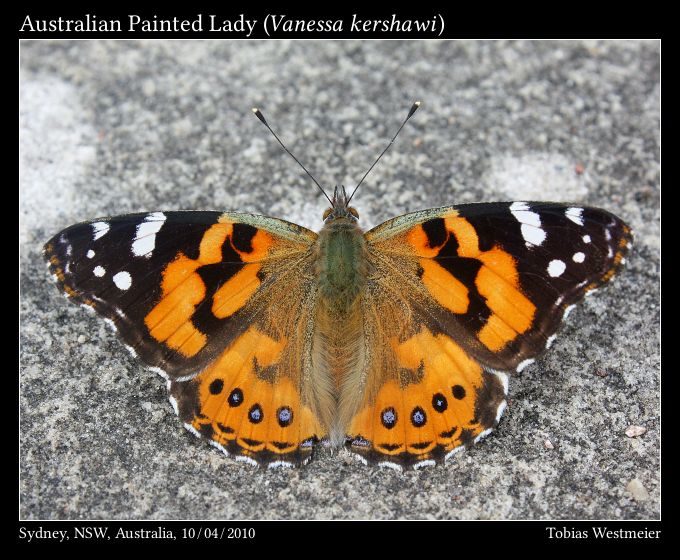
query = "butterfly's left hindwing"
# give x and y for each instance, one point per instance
(216, 303)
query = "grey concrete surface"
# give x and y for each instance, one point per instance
(113, 127)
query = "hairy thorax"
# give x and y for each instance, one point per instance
(342, 266)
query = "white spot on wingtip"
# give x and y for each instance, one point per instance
(90, 254)
(567, 311)
(100, 229)
(87, 308)
(99, 271)
(532, 235)
(145, 237)
(69, 250)
(575, 215)
(192, 430)
(556, 268)
(586, 239)
(579, 257)
(591, 292)
(111, 324)
(425, 463)
(482, 435)
(551, 339)
(531, 229)
(524, 363)
(122, 280)
(173, 402)
(131, 350)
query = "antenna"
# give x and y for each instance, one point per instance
(260, 116)
(413, 109)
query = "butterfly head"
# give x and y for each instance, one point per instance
(340, 207)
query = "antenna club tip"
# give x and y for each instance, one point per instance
(414, 108)
(259, 115)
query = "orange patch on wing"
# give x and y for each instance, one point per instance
(211, 244)
(234, 293)
(254, 343)
(234, 370)
(187, 339)
(468, 242)
(169, 321)
(501, 263)
(177, 272)
(512, 311)
(446, 289)
(444, 366)
(261, 244)
(495, 333)
(417, 238)
(507, 302)
(439, 353)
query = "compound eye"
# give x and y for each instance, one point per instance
(327, 213)
(354, 212)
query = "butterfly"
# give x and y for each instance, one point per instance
(395, 343)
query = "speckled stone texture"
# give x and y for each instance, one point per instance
(125, 126)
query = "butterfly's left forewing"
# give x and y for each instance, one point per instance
(457, 296)
(218, 304)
